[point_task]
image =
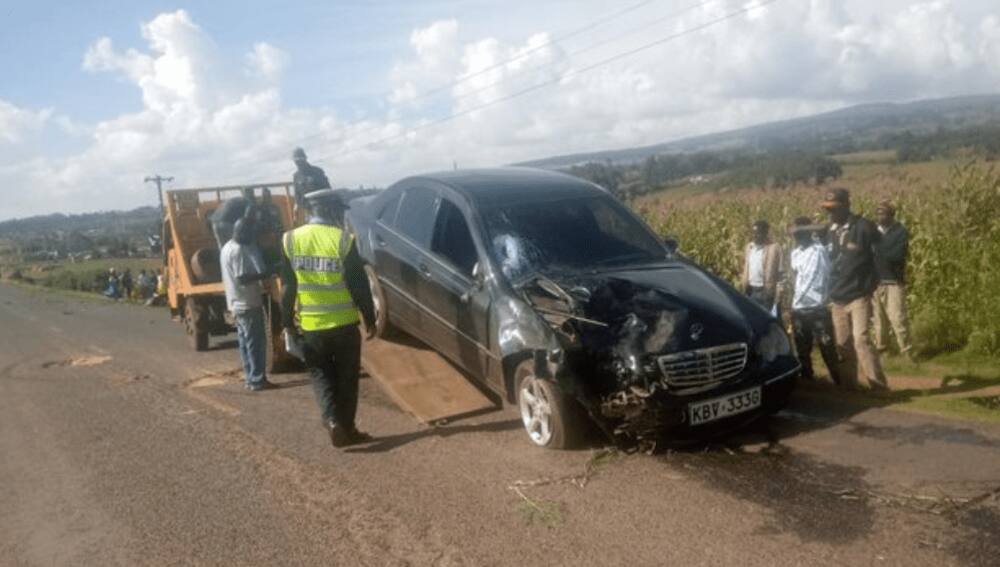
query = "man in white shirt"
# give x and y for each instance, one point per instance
(762, 267)
(243, 269)
(810, 275)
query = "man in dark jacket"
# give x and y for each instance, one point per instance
(853, 279)
(890, 297)
(307, 178)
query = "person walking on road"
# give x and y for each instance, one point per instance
(762, 266)
(890, 296)
(243, 270)
(324, 274)
(853, 279)
(809, 268)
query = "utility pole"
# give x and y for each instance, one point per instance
(159, 179)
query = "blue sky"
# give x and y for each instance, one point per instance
(96, 95)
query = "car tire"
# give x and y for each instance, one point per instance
(550, 418)
(383, 328)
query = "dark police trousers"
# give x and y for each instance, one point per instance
(815, 325)
(334, 360)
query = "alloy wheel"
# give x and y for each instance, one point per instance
(536, 411)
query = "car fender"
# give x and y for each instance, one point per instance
(520, 334)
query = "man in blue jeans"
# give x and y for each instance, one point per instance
(243, 269)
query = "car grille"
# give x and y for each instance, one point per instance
(703, 367)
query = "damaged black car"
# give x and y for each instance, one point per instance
(553, 294)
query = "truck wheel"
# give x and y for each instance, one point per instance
(195, 324)
(549, 417)
(383, 328)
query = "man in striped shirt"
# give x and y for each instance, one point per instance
(810, 275)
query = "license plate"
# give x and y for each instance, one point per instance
(725, 406)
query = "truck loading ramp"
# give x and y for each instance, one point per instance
(421, 381)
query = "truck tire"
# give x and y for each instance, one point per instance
(550, 418)
(383, 328)
(195, 324)
(205, 266)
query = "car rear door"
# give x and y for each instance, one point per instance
(400, 244)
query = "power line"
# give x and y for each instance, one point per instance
(590, 47)
(465, 78)
(556, 80)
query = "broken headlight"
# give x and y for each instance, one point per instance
(774, 344)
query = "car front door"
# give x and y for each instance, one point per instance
(455, 302)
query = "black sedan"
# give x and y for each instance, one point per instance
(556, 296)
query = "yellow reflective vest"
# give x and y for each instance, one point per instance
(316, 258)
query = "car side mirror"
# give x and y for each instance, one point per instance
(670, 242)
(478, 281)
(477, 275)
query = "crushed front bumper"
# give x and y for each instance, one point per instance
(665, 415)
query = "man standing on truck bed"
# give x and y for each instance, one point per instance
(326, 275)
(307, 178)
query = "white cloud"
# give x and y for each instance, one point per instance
(16, 123)
(436, 62)
(267, 61)
(208, 119)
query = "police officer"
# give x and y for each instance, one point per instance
(325, 274)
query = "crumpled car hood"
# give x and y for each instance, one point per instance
(670, 308)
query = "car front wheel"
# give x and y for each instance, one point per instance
(547, 414)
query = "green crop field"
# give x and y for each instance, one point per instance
(952, 210)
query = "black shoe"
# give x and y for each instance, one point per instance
(339, 437)
(264, 384)
(356, 437)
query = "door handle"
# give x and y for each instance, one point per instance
(379, 241)
(424, 271)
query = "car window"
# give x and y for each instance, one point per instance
(415, 218)
(388, 212)
(453, 240)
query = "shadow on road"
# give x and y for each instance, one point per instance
(225, 345)
(388, 443)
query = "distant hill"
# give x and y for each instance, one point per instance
(839, 131)
(142, 220)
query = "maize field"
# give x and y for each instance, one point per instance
(953, 273)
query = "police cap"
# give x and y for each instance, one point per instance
(333, 197)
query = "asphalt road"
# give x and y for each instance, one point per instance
(120, 446)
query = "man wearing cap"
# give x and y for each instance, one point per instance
(324, 274)
(809, 270)
(762, 266)
(890, 296)
(853, 279)
(307, 177)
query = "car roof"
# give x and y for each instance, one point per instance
(502, 185)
